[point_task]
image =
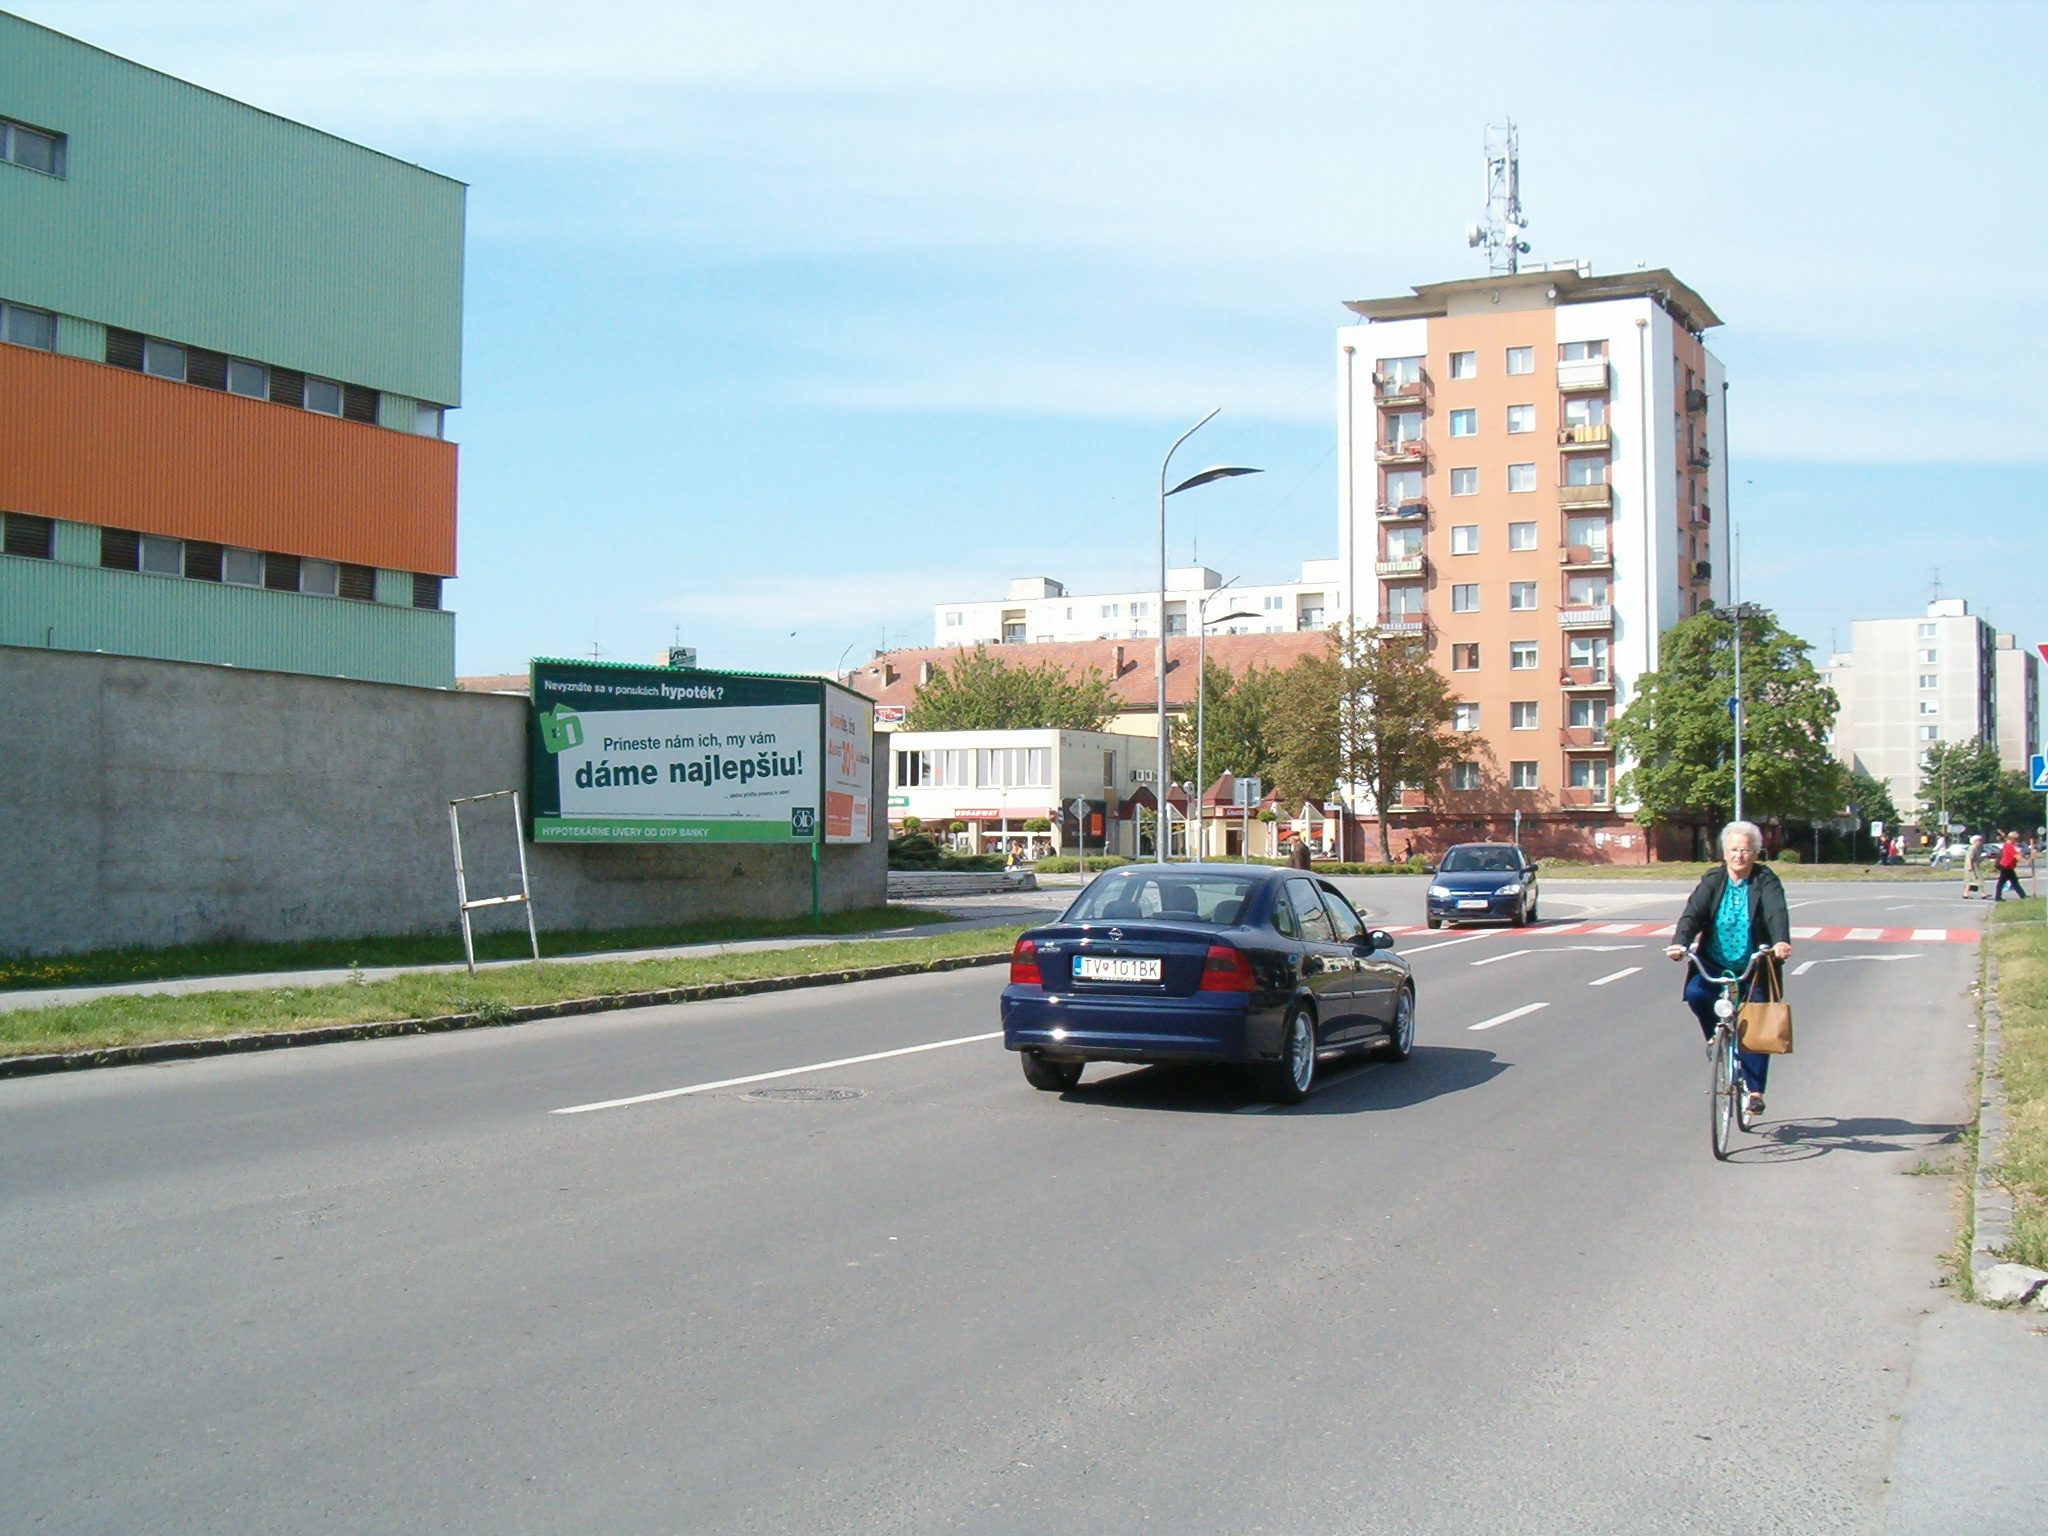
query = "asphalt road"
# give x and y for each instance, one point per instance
(1503, 1287)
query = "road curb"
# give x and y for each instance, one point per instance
(329, 1034)
(1990, 1202)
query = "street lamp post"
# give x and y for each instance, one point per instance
(1201, 706)
(1214, 472)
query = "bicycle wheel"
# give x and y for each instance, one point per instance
(1727, 1081)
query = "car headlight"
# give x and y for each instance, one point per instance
(1512, 888)
(1439, 890)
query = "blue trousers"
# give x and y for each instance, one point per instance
(1699, 997)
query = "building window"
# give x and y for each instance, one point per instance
(1402, 544)
(1588, 653)
(1581, 351)
(1403, 427)
(1929, 631)
(955, 620)
(1464, 482)
(1930, 732)
(28, 327)
(31, 537)
(1930, 706)
(1465, 657)
(1590, 714)
(1521, 477)
(1400, 370)
(1930, 679)
(1522, 716)
(1926, 658)
(320, 577)
(1465, 597)
(1585, 411)
(1464, 423)
(160, 556)
(1521, 359)
(1585, 591)
(426, 591)
(1274, 604)
(1589, 533)
(1464, 365)
(1585, 469)
(1590, 773)
(428, 420)
(36, 149)
(1521, 535)
(164, 359)
(1521, 655)
(1521, 775)
(1140, 610)
(1464, 717)
(1521, 418)
(1403, 485)
(1465, 775)
(1013, 767)
(241, 568)
(250, 379)
(1521, 595)
(1109, 610)
(1465, 539)
(322, 395)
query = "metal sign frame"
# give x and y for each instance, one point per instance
(524, 895)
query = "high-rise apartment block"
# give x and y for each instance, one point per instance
(1907, 684)
(228, 343)
(1532, 468)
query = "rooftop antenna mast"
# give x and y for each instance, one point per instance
(1501, 234)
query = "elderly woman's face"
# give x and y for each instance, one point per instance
(1740, 856)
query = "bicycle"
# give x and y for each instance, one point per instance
(1728, 1097)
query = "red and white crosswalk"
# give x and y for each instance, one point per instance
(1663, 930)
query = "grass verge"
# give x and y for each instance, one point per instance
(2019, 939)
(104, 967)
(138, 1020)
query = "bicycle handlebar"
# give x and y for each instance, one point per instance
(1693, 959)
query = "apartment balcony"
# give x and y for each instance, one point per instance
(1389, 391)
(1585, 799)
(1582, 378)
(1583, 738)
(1583, 438)
(1590, 616)
(1410, 450)
(1702, 513)
(1404, 624)
(1696, 400)
(1585, 679)
(1591, 497)
(1703, 570)
(1414, 510)
(1586, 557)
(1699, 458)
(1408, 566)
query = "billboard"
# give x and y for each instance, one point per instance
(656, 754)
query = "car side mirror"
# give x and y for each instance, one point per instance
(1377, 938)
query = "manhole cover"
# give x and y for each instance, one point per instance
(808, 1095)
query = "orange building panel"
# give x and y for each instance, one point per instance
(96, 444)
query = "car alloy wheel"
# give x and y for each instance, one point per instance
(1402, 1041)
(1288, 1080)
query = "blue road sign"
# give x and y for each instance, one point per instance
(2037, 770)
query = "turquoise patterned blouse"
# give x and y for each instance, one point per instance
(1731, 927)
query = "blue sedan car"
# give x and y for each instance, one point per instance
(1206, 963)
(1482, 883)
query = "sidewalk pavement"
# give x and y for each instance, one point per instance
(948, 917)
(1970, 1455)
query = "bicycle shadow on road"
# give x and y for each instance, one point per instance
(1343, 1088)
(1794, 1141)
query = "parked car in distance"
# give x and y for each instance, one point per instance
(1482, 883)
(1269, 968)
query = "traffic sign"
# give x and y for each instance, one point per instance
(2037, 770)
(2042, 647)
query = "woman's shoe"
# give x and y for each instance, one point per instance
(1756, 1104)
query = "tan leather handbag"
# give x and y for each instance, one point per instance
(1767, 1026)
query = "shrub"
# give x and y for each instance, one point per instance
(913, 824)
(1038, 824)
(1786, 856)
(1067, 864)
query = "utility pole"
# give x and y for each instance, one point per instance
(1735, 704)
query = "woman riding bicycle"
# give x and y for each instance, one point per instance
(1735, 910)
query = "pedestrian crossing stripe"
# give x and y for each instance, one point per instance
(1664, 930)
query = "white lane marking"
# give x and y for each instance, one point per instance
(1614, 928)
(1512, 1013)
(1863, 935)
(1599, 949)
(1930, 936)
(1804, 933)
(1447, 943)
(1806, 965)
(1795, 904)
(1602, 981)
(1511, 954)
(762, 1077)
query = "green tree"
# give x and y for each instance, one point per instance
(1965, 779)
(1680, 737)
(1237, 728)
(980, 692)
(1871, 796)
(1372, 711)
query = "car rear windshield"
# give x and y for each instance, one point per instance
(1468, 861)
(1176, 896)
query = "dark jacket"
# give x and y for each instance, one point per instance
(1769, 923)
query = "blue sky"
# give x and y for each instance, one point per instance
(786, 321)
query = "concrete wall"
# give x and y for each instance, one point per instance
(162, 802)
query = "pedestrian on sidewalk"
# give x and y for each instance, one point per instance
(1973, 867)
(2009, 868)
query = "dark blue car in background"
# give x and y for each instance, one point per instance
(1206, 963)
(1482, 883)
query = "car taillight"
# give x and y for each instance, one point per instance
(1226, 970)
(1024, 964)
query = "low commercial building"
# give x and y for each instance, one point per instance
(1041, 611)
(1084, 785)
